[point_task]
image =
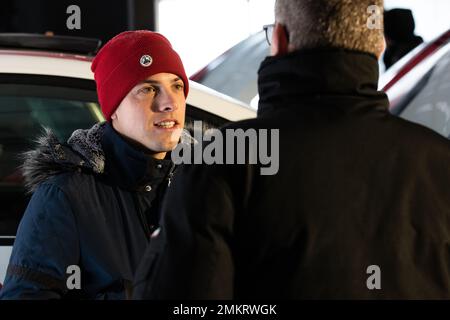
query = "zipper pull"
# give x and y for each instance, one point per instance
(170, 175)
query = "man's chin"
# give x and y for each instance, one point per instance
(162, 148)
(165, 139)
(162, 140)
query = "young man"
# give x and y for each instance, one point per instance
(96, 198)
(360, 207)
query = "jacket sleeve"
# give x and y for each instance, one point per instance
(46, 244)
(191, 258)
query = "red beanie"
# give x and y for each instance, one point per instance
(129, 58)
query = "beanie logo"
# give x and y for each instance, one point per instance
(146, 60)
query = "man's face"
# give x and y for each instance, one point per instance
(152, 114)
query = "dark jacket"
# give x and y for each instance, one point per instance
(356, 188)
(94, 205)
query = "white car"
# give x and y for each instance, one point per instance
(40, 85)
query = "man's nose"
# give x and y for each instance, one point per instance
(165, 102)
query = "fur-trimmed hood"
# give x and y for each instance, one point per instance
(83, 150)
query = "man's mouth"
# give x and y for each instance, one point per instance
(167, 124)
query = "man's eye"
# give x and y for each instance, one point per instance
(179, 86)
(146, 90)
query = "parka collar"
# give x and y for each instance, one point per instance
(129, 167)
(99, 150)
(309, 75)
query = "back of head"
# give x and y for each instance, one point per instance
(331, 23)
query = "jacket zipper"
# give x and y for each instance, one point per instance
(170, 175)
(156, 201)
(142, 217)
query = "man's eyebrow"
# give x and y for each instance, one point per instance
(158, 82)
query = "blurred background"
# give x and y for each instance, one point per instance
(215, 25)
(200, 30)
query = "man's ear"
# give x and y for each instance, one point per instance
(280, 41)
(114, 116)
(383, 47)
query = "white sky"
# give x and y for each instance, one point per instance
(201, 30)
(432, 16)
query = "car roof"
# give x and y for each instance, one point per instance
(79, 66)
(45, 63)
(50, 42)
(235, 71)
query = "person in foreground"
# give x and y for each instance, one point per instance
(360, 206)
(96, 198)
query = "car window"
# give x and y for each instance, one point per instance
(429, 102)
(235, 72)
(27, 103)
